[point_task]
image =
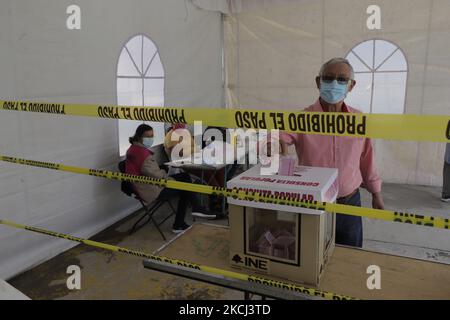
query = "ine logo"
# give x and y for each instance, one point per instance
(237, 258)
(251, 262)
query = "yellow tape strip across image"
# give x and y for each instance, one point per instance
(411, 127)
(396, 127)
(387, 215)
(230, 274)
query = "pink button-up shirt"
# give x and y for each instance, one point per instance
(353, 157)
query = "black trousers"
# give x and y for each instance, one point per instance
(446, 185)
(184, 198)
(349, 229)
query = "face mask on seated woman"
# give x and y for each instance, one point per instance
(148, 142)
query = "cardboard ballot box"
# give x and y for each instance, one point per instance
(285, 241)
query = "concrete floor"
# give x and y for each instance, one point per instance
(109, 275)
(408, 240)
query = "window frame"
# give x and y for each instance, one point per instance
(141, 76)
(373, 70)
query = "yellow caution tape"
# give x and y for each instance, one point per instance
(230, 274)
(382, 126)
(387, 215)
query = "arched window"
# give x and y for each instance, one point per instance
(381, 73)
(140, 82)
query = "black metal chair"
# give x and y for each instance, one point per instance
(149, 209)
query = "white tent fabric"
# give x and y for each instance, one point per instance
(274, 50)
(40, 59)
(239, 6)
(223, 6)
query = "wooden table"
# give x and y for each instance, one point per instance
(345, 274)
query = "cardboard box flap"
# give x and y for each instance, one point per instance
(308, 184)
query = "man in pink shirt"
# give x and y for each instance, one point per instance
(353, 157)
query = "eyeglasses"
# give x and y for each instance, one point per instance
(330, 79)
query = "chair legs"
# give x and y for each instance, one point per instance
(159, 229)
(149, 212)
(170, 215)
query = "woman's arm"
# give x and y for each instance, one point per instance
(150, 168)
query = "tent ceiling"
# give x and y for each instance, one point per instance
(238, 6)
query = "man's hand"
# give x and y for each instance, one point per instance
(377, 201)
(283, 148)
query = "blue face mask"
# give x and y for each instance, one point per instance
(148, 142)
(333, 92)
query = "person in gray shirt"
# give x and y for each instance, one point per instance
(446, 174)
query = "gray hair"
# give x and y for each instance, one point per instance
(336, 61)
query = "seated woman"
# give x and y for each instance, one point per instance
(140, 161)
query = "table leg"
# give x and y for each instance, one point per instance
(202, 197)
(224, 199)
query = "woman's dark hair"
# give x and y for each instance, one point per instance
(139, 133)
